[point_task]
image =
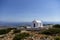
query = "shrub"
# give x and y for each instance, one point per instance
(21, 36)
(4, 31)
(56, 26)
(57, 38)
(16, 31)
(51, 31)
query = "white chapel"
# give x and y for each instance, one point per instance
(37, 24)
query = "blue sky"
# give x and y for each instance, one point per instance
(28, 10)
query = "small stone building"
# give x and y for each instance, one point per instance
(37, 24)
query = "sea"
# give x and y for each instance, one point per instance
(15, 24)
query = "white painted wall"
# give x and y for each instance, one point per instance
(37, 24)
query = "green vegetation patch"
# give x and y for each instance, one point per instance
(57, 38)
(4, 31)
(16, 31)
(56, 26)
(21, 36)
(51, 31)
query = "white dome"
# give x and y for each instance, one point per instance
(38, 21)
